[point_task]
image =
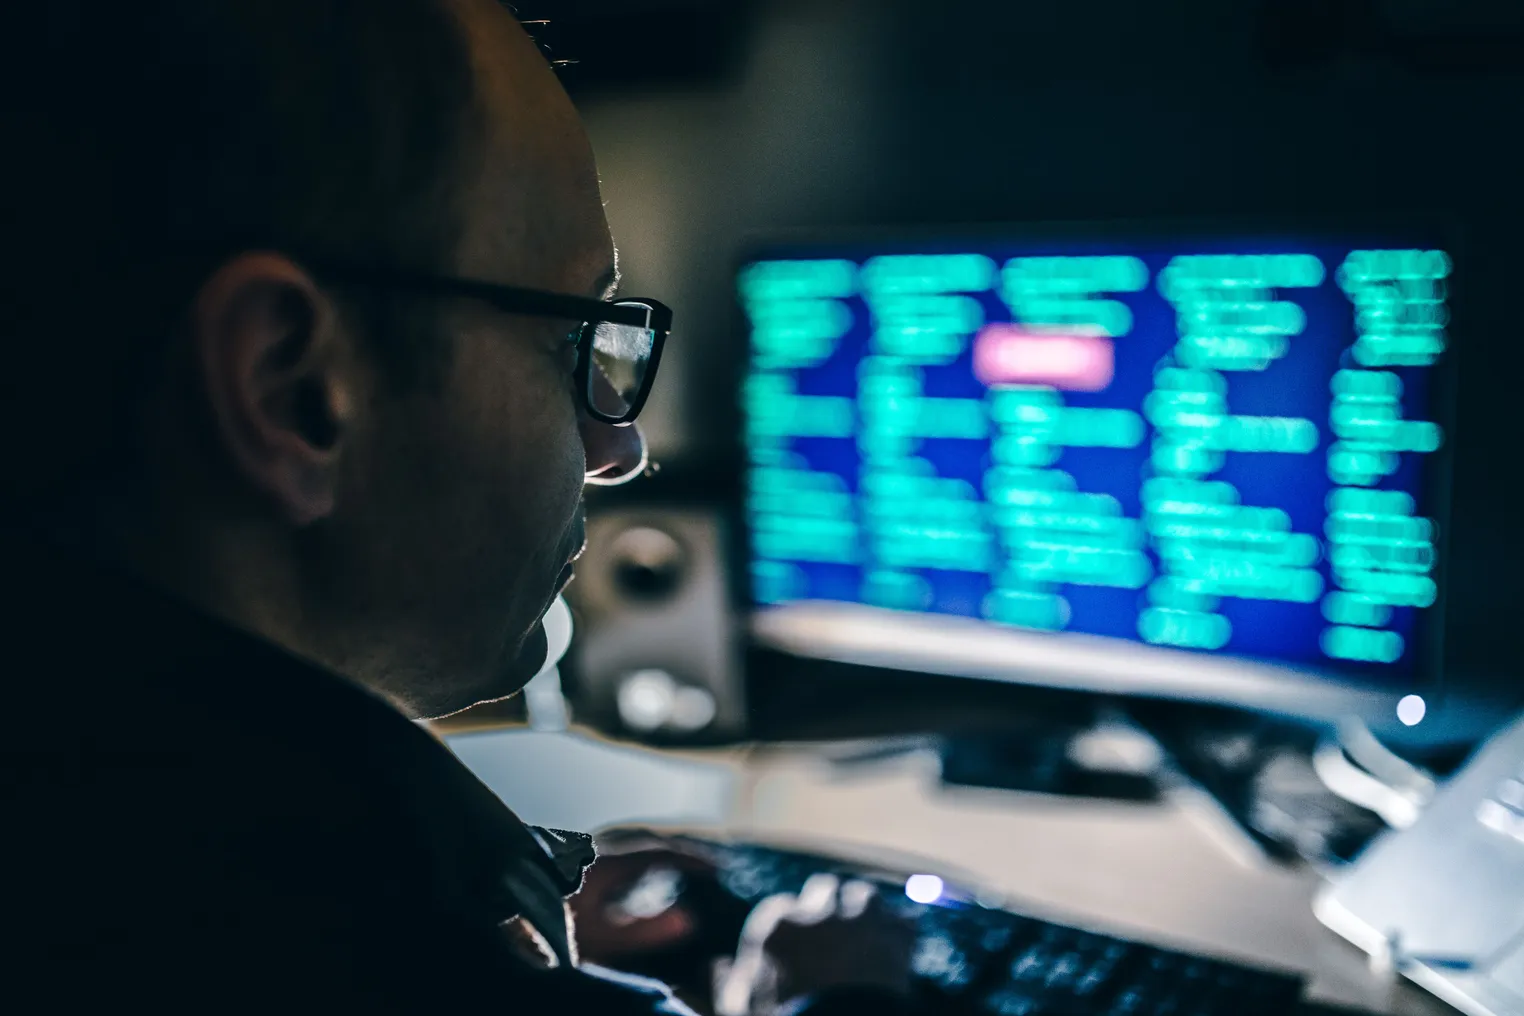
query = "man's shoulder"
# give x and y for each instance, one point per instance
(167, 875)
(171, 826)
(197, 819)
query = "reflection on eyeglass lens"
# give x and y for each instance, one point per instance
(621, 353)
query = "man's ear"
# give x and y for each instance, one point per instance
(278, 379)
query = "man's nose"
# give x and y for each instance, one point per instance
(615, 455)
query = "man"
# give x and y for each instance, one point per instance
(278, 480)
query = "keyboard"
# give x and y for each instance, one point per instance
(973, 958)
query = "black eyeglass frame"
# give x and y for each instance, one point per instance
(641, 312)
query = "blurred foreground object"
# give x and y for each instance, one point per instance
(1442, 901)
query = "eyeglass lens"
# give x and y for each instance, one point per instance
(622, 354)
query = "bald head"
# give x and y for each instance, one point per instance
(545, 195)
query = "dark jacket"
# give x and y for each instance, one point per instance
(194, 820)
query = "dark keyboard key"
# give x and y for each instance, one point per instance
(1010, 1003)
(938, 959)
(1128, 1003)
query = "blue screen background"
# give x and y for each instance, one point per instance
(1297, 385)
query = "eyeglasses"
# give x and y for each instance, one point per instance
(621, 338)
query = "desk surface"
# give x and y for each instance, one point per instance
(1171, 873)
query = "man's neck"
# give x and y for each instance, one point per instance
(238, 573)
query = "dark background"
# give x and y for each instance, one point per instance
(719, 121)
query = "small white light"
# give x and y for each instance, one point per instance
(923, 888)
(692, 709)
(645, 699)
(1411, 710)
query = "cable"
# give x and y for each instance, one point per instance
(543, 699)
(1398, 808)
(1381, 762)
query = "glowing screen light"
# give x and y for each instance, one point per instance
(923, 888)
(1411, 710)
(1217, 447)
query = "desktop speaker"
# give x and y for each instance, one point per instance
(656, 653)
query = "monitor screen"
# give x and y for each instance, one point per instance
(1225, 445)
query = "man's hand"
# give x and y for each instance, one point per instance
(637, 905)
(630, 904)
(831, 935)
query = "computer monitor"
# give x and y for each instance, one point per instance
(1206, 464)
